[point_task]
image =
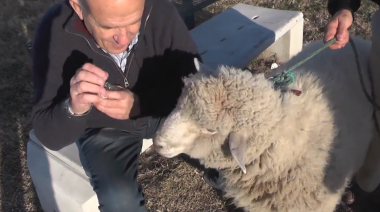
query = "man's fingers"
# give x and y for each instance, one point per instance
(330, 34)
(342, 29)
(89, 73)
(87, 87)
(112, 112)
(341, 35)
(84, 75)
(117, 95)
(336, 29)
(330, 30)
(116, 104)
(110, 103)
(102, 108)
(86, 99)
(95, 70)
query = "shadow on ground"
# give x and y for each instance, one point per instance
(17, 191)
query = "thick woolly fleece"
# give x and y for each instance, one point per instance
(299, 151)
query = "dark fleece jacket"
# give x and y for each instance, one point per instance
(163, 55)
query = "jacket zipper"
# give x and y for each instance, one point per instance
(126, 84)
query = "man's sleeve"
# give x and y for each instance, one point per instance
(334, 6)
(178, 63)
(53, 126)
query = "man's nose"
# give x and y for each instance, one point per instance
(121, 38)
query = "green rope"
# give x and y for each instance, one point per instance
(287, 77)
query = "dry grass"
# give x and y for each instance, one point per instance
(169, 185)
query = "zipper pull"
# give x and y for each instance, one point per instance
(126, 83)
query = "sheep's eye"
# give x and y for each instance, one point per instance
(208, 131)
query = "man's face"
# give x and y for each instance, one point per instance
(112, 23)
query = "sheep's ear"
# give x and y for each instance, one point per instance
(237, 143)
(202, 67)
(208, 131)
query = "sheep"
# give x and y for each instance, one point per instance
(277, 151)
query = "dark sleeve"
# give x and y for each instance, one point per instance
(177, 62)
(52, 124)
(334, 6)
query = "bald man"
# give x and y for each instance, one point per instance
(342, 11)
(106, 74)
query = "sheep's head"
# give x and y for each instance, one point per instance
(178, 134)
(200, 126)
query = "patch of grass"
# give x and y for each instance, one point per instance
(18, 20)
(169, 185)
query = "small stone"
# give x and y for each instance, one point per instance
(274, 66)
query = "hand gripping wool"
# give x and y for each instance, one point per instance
(276, 151)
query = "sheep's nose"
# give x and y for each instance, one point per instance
(158, 146)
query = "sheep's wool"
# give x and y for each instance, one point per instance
(299, 152)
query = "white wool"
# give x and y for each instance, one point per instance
(277, 151)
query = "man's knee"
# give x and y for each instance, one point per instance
(111, 158)
(121, 197)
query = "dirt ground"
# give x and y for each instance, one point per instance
(170, 185)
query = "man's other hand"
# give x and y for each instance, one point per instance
(338, 27)
(116, 104)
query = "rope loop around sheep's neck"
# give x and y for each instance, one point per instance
(287, 76)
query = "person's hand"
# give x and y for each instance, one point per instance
(86, 88)
(338, 27)
(116, 104)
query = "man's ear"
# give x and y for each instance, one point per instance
(77, 8)
(208, 131)
(202, 67)
(237, 143)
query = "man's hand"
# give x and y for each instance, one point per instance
(116, 104)
(86, 86)
(338, 27)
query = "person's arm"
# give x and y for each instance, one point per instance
(334, 6)
(52, 124)
(177, 63)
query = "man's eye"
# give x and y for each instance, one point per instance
(105, 27)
